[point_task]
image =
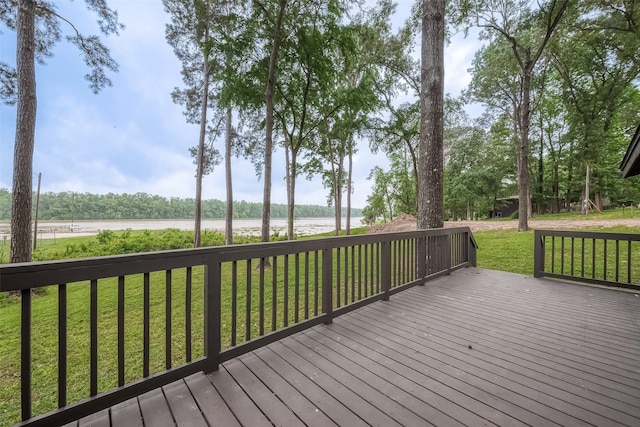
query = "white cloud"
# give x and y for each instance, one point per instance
(132, 138)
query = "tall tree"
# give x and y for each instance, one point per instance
(430, 150)
(188, 34)
(37, 24)
(528, 31)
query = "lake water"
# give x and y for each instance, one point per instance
(302, 226)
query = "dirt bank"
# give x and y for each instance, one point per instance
(406, 222)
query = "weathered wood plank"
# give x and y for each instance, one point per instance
(310, 414)
(184, 408)
(325, 400)
(211, 404)
(516, 356)
(359, 405)
(99, 419)
(155, 409)
(590, 410)
(265, 399)
(410, 390)
(359, 381)
(243, 408)
(127, 414)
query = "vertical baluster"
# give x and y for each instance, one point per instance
(306, 285)
(604, 272)
(146, 326)
(553, 254)
(352, 275)
(582, 258)
(316, 254)
(274, 293)
(93, 340)
(378, 267)
(187, 313)
(617, 260)
(297, 287)
(25, 353)
(393, 259)
(337, 278)
(346, 277)
(234, 302)
(366, 270)
(572, 254)
(593, 258)
(629, 261)
(120, 331)
(62, 345)
(261, 282)
(562, 255)
(405, 256)
(285, 295)
(167, 320)
(359, 272)
(247, 329)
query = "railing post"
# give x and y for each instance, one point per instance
(471, 250)
(385, 269)
(422, 259)
(538, 253)
(212, 278)
(327, 285)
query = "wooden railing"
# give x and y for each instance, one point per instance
(124, 325)
(591, 257)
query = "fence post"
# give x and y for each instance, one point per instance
(327, 285)
(471, 250)
(385, 269)
(422, 258)
(212, 278)
(538, 253)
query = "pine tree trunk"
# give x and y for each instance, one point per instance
(203, 133)
(228, 223)
(268, 143)
(25, 135)
(431, 164)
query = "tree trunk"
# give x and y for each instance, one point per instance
(203, 133)
(523, 152)
(349, 184)
(291, 190)
(268, 143)
(430, 150)
(25, 134)
(228, 223)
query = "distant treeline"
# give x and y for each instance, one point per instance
(78, 206)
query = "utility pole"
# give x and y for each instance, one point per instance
(35, 224)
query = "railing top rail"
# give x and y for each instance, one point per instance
(37, 274)
(590, 234)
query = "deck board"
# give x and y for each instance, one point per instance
(475, 348)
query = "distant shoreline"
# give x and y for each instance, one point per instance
(302, 226)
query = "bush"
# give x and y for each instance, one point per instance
(514, 215)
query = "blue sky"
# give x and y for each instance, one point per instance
(131, 137)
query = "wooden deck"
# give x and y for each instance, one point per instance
(475, 348)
